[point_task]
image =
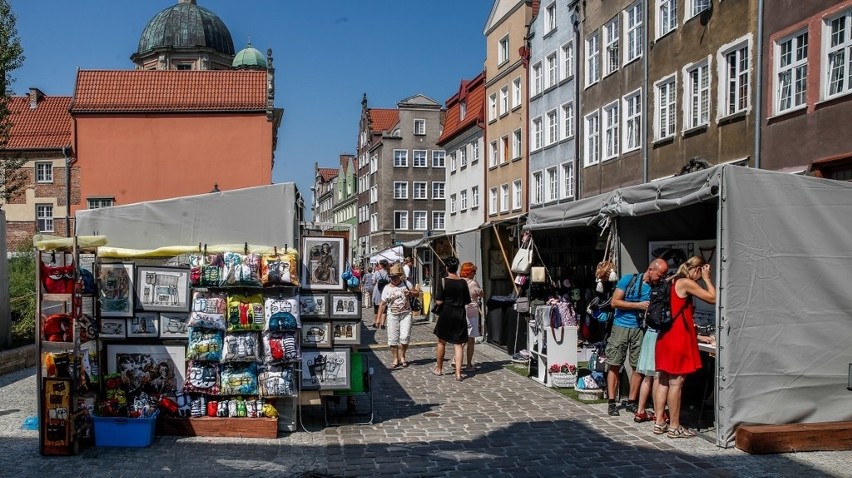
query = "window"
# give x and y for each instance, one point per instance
(44, 217)
(632, 121)
(374, 222)
(400, 189)
(419, 126)
(791, 66)
(503, 50)
(420, 158)
(183, 66)
(492, 107)
(437, 189)
(567, 61)
(567, 190)
(516, 92)
(697, 96)
(550, 17)
(474, 197)
(97, 203)
(611, 137)
(44, 172)
(463, 200)
(516, 144)
(374, 163)
(438, 220)
(492, 201)
(535, 87)
(374, 194)
(400, 158)
(694, 7)
(838, 35)
(666, 101)
(463, 157)
(400, 220)
(504, 100)
(453, 209)
(593, 67)
(552, 184)
(633, 32)
(420, 218)
(537, 188)
(462, 110)
(567, 130)
(552, 127)
(517, 194)
(611, 57)
(536, 133)
(666, 16)
(453, 162)
(593, 134)
(736, 80)
(438, 157)
(474, 152)
(504, 198)
(552, 70)
(492, 154)
(420, 190)
(504, 149)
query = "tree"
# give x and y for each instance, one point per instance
(11, 58)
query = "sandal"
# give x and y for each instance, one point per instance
(680, 433)
(659, 429)
(404, 364)
(394, 364)
(437, 372)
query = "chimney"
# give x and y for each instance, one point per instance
(35, 96)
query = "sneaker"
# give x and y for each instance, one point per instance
(632, 407)
(613, 410)
(644, 417)
(519, 358)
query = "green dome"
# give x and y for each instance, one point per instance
(249, 57)
(186, 25)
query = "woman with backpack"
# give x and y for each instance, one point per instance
(380, 280)
(677, 348)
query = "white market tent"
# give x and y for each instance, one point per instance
(391, 254)
(783, 312)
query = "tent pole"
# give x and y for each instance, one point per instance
(506, 259)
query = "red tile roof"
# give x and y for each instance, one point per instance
(472, 92)
(327, 174)
(48, 126)
(383, 119)
(102, 91)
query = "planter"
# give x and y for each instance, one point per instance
(563, 380)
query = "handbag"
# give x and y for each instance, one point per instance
(522, 305)
(414, 302)
(538, 275)
(522, 262)
(437, 308)
(597, 361)
(347, 273)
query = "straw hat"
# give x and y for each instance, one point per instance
(396, 270)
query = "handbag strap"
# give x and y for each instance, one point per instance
(555, 310)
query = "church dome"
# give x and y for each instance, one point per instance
(186, 25)
(249, 57)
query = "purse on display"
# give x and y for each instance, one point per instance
(522, 262)
(538, 275)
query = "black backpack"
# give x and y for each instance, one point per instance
(659, 314)
(382, 282)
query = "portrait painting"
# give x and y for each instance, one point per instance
(322, 263)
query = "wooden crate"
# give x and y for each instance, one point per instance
(760, 439)
(219, 427)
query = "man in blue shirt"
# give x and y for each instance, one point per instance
(630, 300)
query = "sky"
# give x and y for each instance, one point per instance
(326, 56)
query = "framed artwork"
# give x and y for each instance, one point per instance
(346, 333)
(154, 369)
(115, 290)
(497, 265)
(316, 334)
(326, 369)
(313, 305)
(57, 424)
(344, 305)
(322, 263)
(113, 328)
(173, 325)
(163, 288)
(144, 324)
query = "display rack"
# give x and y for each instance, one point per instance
(548, 346)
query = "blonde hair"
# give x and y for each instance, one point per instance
(693, 262)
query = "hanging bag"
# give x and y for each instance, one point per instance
(522, 262)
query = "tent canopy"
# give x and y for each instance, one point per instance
(392, 254)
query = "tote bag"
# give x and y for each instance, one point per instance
(522, 262)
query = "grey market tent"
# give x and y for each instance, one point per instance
(783, 312)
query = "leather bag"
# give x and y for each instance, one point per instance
(522, 262)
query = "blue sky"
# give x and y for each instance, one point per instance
(326, 55)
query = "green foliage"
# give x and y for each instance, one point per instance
(22, 296)
(11, 58)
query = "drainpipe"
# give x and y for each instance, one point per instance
(68, 162)
(575, 21)
(644, 95)
(758, 100)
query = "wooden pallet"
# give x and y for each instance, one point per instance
(218, 427)
(761, 439)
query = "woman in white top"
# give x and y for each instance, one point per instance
(395, 311)
(468, 272)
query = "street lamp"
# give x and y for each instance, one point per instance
(393, 237)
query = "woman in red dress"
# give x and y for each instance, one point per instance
(677, 349)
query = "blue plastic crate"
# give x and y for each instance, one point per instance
(122, 431)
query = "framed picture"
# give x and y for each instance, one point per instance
(113, 328)
(313, 305)
(163, 288)
(344, 305)
(115, 289)
(154, 369)
(326, 369)
(173, 325)
(144, 324)
(322, 263)
(346, 333)
(57, 425)
(316, 334)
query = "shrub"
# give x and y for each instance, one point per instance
(22, 296)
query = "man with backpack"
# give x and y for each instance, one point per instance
(630, 300)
